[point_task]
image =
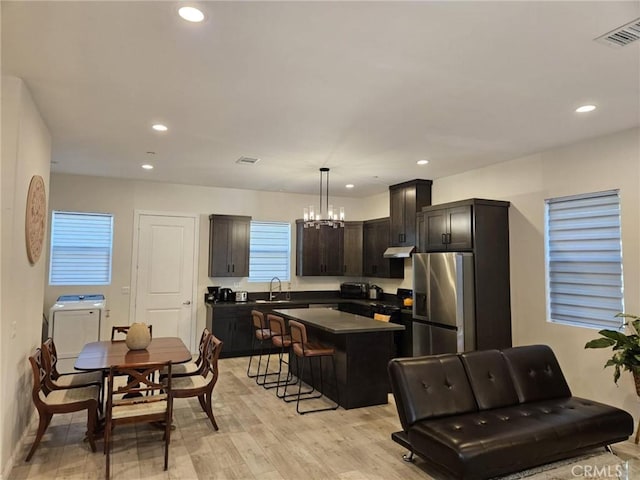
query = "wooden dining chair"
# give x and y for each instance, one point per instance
(124, 329)
(195, 367)
(55, 380)
(201, 385)
(66, 400)
(141, 399)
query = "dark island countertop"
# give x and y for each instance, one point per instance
(337, 322)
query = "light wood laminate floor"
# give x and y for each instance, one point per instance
(260, 437)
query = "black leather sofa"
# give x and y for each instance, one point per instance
(483, 414)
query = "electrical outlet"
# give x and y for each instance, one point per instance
(125, 290)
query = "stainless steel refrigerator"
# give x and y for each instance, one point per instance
(443, 303)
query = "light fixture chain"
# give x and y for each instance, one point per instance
(320, 205)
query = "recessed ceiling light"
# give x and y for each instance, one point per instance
(585, 108)
(349, 185)
(422, 162)
(158, 127)
(191, 14)
(146, 166)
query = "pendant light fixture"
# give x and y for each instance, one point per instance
(325, 215)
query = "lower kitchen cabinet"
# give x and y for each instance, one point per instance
(232, 323)
(233, 326)
(357, 309)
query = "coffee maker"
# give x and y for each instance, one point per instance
(212, 295)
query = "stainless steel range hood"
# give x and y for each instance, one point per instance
(399, 252)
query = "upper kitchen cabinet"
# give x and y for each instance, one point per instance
(353, 238)
(229, 245)
(319, 251)
(448, 228)
(376, 241)
(459, 226)
(480, 227)
(406, 200)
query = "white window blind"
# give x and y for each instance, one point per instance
(81, 248)
(584, 260)
(269, 251)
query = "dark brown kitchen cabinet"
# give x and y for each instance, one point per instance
(229, 245)
(406, 200)
(353, 238)
(480, 227)
(319, 251)
(375, 242)
(421, 241)
(232, 325)
(448, 228)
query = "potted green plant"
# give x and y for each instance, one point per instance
(626, 349)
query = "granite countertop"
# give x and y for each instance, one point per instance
(306, 301)
(272, 303)
(335, 321)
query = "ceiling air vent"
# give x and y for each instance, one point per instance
(247, 161)
(622, 36)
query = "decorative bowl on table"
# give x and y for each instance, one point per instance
(138, 336)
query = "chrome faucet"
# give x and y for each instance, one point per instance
(272, 295)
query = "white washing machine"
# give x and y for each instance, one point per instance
(75, 320)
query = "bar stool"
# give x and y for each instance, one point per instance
(282, 340)
(261, 334)
(303, 349)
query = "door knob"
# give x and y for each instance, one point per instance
(188, 302)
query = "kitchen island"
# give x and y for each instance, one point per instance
(363, 348)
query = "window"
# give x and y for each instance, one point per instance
(269, 251)
(584, 260)
(81, 247)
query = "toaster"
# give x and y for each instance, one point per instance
(241, 296)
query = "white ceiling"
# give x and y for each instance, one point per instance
(366, 89)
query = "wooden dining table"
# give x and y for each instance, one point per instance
(105, 354)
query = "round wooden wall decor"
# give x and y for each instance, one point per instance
(35, 218)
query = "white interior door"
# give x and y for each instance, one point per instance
(165, 281)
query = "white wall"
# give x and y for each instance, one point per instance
(123, 197)
(26, 151)
(609, 162)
